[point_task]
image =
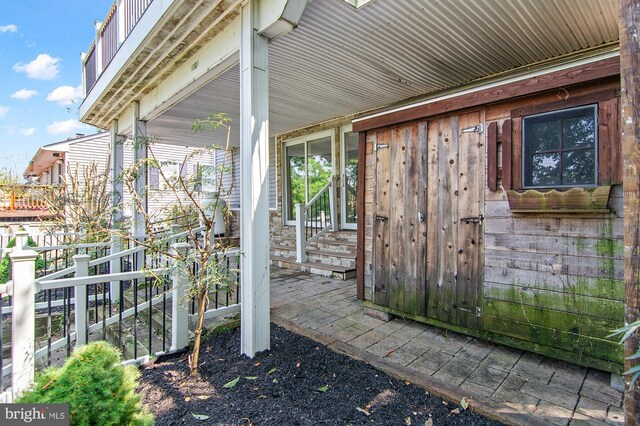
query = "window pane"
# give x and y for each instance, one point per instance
(319, 168)
(543, 135)
(578, 167)
(295, 165)
(351, 176)
(579, 132)
(545, 170)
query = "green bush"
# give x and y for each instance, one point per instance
(98, 388)
(6, 262)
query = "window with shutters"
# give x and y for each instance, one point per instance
(563, 155)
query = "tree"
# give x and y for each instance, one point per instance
(83, 208)
(197, 197)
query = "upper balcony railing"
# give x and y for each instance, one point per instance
(110, 34)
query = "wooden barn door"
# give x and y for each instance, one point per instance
(400, 218)
(455, 205)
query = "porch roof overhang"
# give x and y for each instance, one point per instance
(341, 60)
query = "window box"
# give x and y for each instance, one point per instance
(592, 200)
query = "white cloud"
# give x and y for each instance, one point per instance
(8, 28)
(65, 95)
(68, 126)
(3, 111)
(43, 67)
(28, 131)
(24, 94)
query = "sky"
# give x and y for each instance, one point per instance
(40, 74)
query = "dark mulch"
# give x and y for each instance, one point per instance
(281, 387)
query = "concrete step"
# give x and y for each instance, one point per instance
(316, 268)
(348, 236)
(332, 246)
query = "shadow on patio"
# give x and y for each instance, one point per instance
(513, 386)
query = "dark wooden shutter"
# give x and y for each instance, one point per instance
(506, 155)
(492, 156)
(609, 144)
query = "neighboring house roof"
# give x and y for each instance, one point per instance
(48, 154)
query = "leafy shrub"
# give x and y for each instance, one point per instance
(6, 262)
(98, 388)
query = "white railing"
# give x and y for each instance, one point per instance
(316, 217)
(77, 279)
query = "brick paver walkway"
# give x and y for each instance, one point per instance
(516, 386)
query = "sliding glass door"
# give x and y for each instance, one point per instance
(308, 167)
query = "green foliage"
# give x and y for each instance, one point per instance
(98, 388)
(627, 331)
(5, 264)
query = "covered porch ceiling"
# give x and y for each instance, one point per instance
(341, 60)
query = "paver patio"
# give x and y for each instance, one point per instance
(514, 386)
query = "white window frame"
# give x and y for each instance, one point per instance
(343, 187)
(285, 166)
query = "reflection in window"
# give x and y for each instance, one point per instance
(309, 168)
(560, 148)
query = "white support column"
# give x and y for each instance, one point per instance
(23, 323)
(333, 204)
(82, 270)
(254, 162)
(179, 307)
(301, 237)
(116, 164)
(139, 134)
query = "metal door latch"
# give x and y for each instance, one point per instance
(382, 218)
(474, 219)
(378, 146)
(478, 128)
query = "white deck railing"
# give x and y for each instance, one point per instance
(315, 217)
(76, 280)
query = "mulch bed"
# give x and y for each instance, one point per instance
(297, 382)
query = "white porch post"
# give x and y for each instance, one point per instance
(301, 237)
(116, 166)
(179, 307)
(254, 162)
(82, 270)
(24, 319)
(139, 134)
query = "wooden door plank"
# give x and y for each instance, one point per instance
(396, 222)
(447, 216)
(413, 295)
(421, 232)
(433, 226)
(469, 234)
(381, 227)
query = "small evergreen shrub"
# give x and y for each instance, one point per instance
(6, 262)
(98, 388)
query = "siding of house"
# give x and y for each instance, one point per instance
(553, 282)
